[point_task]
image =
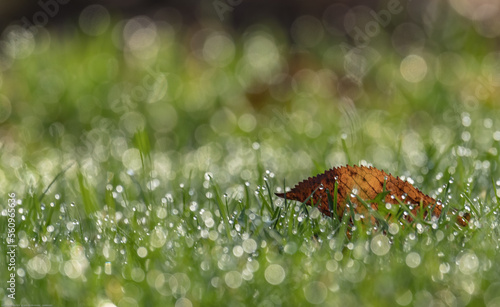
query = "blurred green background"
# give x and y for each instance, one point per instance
(395, 81)
(123, 109)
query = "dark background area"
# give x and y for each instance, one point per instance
(246, 12)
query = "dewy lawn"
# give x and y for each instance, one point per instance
(143, 164)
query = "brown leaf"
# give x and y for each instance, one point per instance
(365, 183)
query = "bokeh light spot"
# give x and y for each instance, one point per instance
(141, 37)
(413, 68)
(315, 292)
(405, 298)
(38, 266)
(233, 279)
(94, 20)
(468, 263)
(274, 274)
(247, 122)
(218, 49)
(158, 237)
(18, 42)
(380, 245)
(142, 252)
(131, 159)
(183, 302)
(413, 260)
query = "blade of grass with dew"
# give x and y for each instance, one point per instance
(222, 209)
(142, 143)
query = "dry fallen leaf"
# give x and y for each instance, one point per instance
(365, 183)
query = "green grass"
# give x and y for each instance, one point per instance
(141, 193)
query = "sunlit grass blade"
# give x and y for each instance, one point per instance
(88, 195)
(222, 209)
(53, 181)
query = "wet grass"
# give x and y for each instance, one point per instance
(139, 193)
(195, 243)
